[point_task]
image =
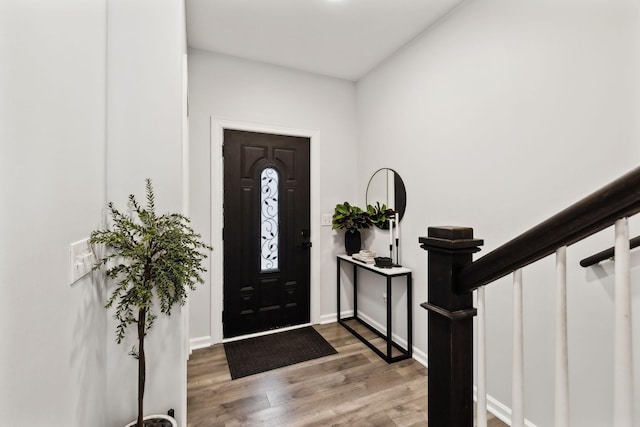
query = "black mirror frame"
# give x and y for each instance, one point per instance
(400, 193)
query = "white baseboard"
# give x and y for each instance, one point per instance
(420, 357)
(332, 317)
(328, 318)
(383, 329)
(499, 410)
(200, 342)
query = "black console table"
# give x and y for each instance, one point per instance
(389, 273)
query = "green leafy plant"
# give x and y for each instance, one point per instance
(380, 215)
(350, 218)
(149, 257)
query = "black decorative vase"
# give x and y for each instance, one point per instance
(352, 242)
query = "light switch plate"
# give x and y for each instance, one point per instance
(326, 219)
(81, 259)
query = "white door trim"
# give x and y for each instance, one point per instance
(217, 221)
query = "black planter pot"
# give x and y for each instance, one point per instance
(352, 242)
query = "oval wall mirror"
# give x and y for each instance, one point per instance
(386, 187)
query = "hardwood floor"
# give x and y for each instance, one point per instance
(353, 387)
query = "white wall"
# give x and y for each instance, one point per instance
(498, 117)
(146, 48)
(52, 139)
(59, 361)
(230, 89)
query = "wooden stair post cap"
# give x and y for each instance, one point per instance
(451, 232)
(450, 237)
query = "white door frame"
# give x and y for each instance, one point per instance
(217, 220)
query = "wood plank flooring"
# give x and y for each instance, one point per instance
(352, 388)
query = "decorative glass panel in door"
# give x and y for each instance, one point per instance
(269, 219)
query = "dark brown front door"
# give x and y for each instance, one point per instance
(266, 232)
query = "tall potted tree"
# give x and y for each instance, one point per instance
(153, 260)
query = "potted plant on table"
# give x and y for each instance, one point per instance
(150, 258)
(380, 215)
(352, 219)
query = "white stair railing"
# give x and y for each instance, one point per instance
(481, 406)
(517, 387)
(623, 360)
(562, 353)
(623, 346)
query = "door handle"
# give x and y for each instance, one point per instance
(305, 235)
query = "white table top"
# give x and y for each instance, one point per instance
(393, 271)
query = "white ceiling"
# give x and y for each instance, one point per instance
(338, 38)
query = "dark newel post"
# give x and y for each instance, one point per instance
(450, 340)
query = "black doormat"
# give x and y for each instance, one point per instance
(261, 354)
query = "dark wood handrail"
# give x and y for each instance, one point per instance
(619, 199)
(452, 275)
(607, 253)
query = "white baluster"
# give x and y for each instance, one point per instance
(481, 407)
(562, 354)
(623, 367)
(517, 387)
